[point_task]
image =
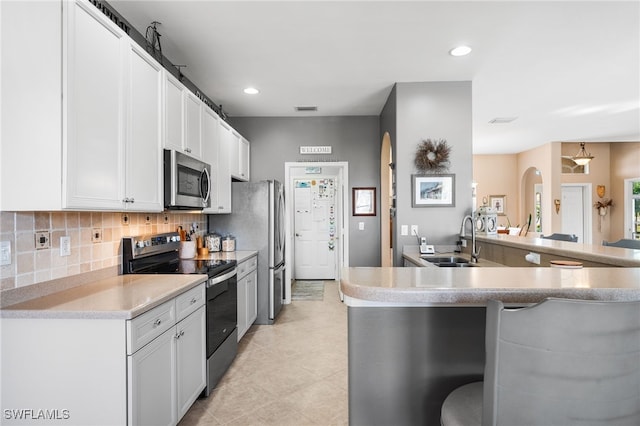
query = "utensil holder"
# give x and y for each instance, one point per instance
(187, 250)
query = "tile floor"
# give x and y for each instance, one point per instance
(291, 373)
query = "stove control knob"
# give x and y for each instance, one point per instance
(175, 238)
(140, 244)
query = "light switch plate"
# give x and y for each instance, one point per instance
(65, 246)
(404, 230)
(361, 226)
(5, 253)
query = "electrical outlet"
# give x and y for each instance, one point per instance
(5, 253)
(361, 226)
(165, 219)
(147, 219)
(65, 246)
(414, 230)
(96, 235)
(125, 219)
(42, 240)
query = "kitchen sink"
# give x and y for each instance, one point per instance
(448, 261)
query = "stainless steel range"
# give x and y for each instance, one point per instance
(158, 254)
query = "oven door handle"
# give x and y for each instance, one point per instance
(224, 277)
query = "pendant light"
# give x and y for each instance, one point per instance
(582, 157)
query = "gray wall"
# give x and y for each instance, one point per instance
(355, 139)
(440, 110)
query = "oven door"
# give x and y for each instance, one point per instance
(222, 309)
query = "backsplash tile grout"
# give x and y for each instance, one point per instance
(31, 266)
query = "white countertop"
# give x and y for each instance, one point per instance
(369, 286)
(119, 297)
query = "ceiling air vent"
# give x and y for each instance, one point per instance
(502, 120)
(306, 108)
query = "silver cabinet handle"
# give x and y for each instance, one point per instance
(157, 322)
(187, 149)
(194, 300)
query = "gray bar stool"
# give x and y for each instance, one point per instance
(559, 362)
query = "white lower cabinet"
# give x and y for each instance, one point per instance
(167, 374)
(247, 294)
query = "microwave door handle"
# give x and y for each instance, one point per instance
(205, 172)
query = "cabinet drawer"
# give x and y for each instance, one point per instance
(190, 301)
(247, 266)
(146, 327)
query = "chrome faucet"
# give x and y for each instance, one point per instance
(475, 251)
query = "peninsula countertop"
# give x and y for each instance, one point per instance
(389, 286)
(118, 297)
(614, 256)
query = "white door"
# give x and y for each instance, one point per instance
(572, 210)
(315, 226)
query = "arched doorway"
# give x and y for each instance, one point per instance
(386, 201)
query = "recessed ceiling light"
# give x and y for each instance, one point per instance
(460, 51)
(251, 91)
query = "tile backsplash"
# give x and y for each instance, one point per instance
(30, 265)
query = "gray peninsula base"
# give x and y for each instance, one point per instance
(404, 361)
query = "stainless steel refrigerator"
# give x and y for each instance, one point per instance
(257, 222)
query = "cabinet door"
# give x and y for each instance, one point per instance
(252, 298)
(244, 153)
(210, 148)
(224, 172)
(143, 179)
(191, 355)
(234, 154)
(193, 125)
(173, 112)
(152, 384)
(242, 307)
(93, 155)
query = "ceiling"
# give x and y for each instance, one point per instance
(569, 71)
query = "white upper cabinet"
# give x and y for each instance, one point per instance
(96, 147)
(173, 112)
(183, 118)
(244, 158)
(143, 159)
(193, 125)
(239, 156)
(224, 171)
(31, 121)
(93, 132)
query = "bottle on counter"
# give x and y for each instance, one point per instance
(229, 243)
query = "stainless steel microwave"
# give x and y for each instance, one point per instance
(187, 182)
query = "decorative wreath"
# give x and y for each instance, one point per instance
(433, 156)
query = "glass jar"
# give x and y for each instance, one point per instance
(213, 242)
(229, 243)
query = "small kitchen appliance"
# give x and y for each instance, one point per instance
(159, 254)
(187, 182)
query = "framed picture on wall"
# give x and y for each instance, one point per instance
(499, 203)
(433, 190)
(364, 201)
